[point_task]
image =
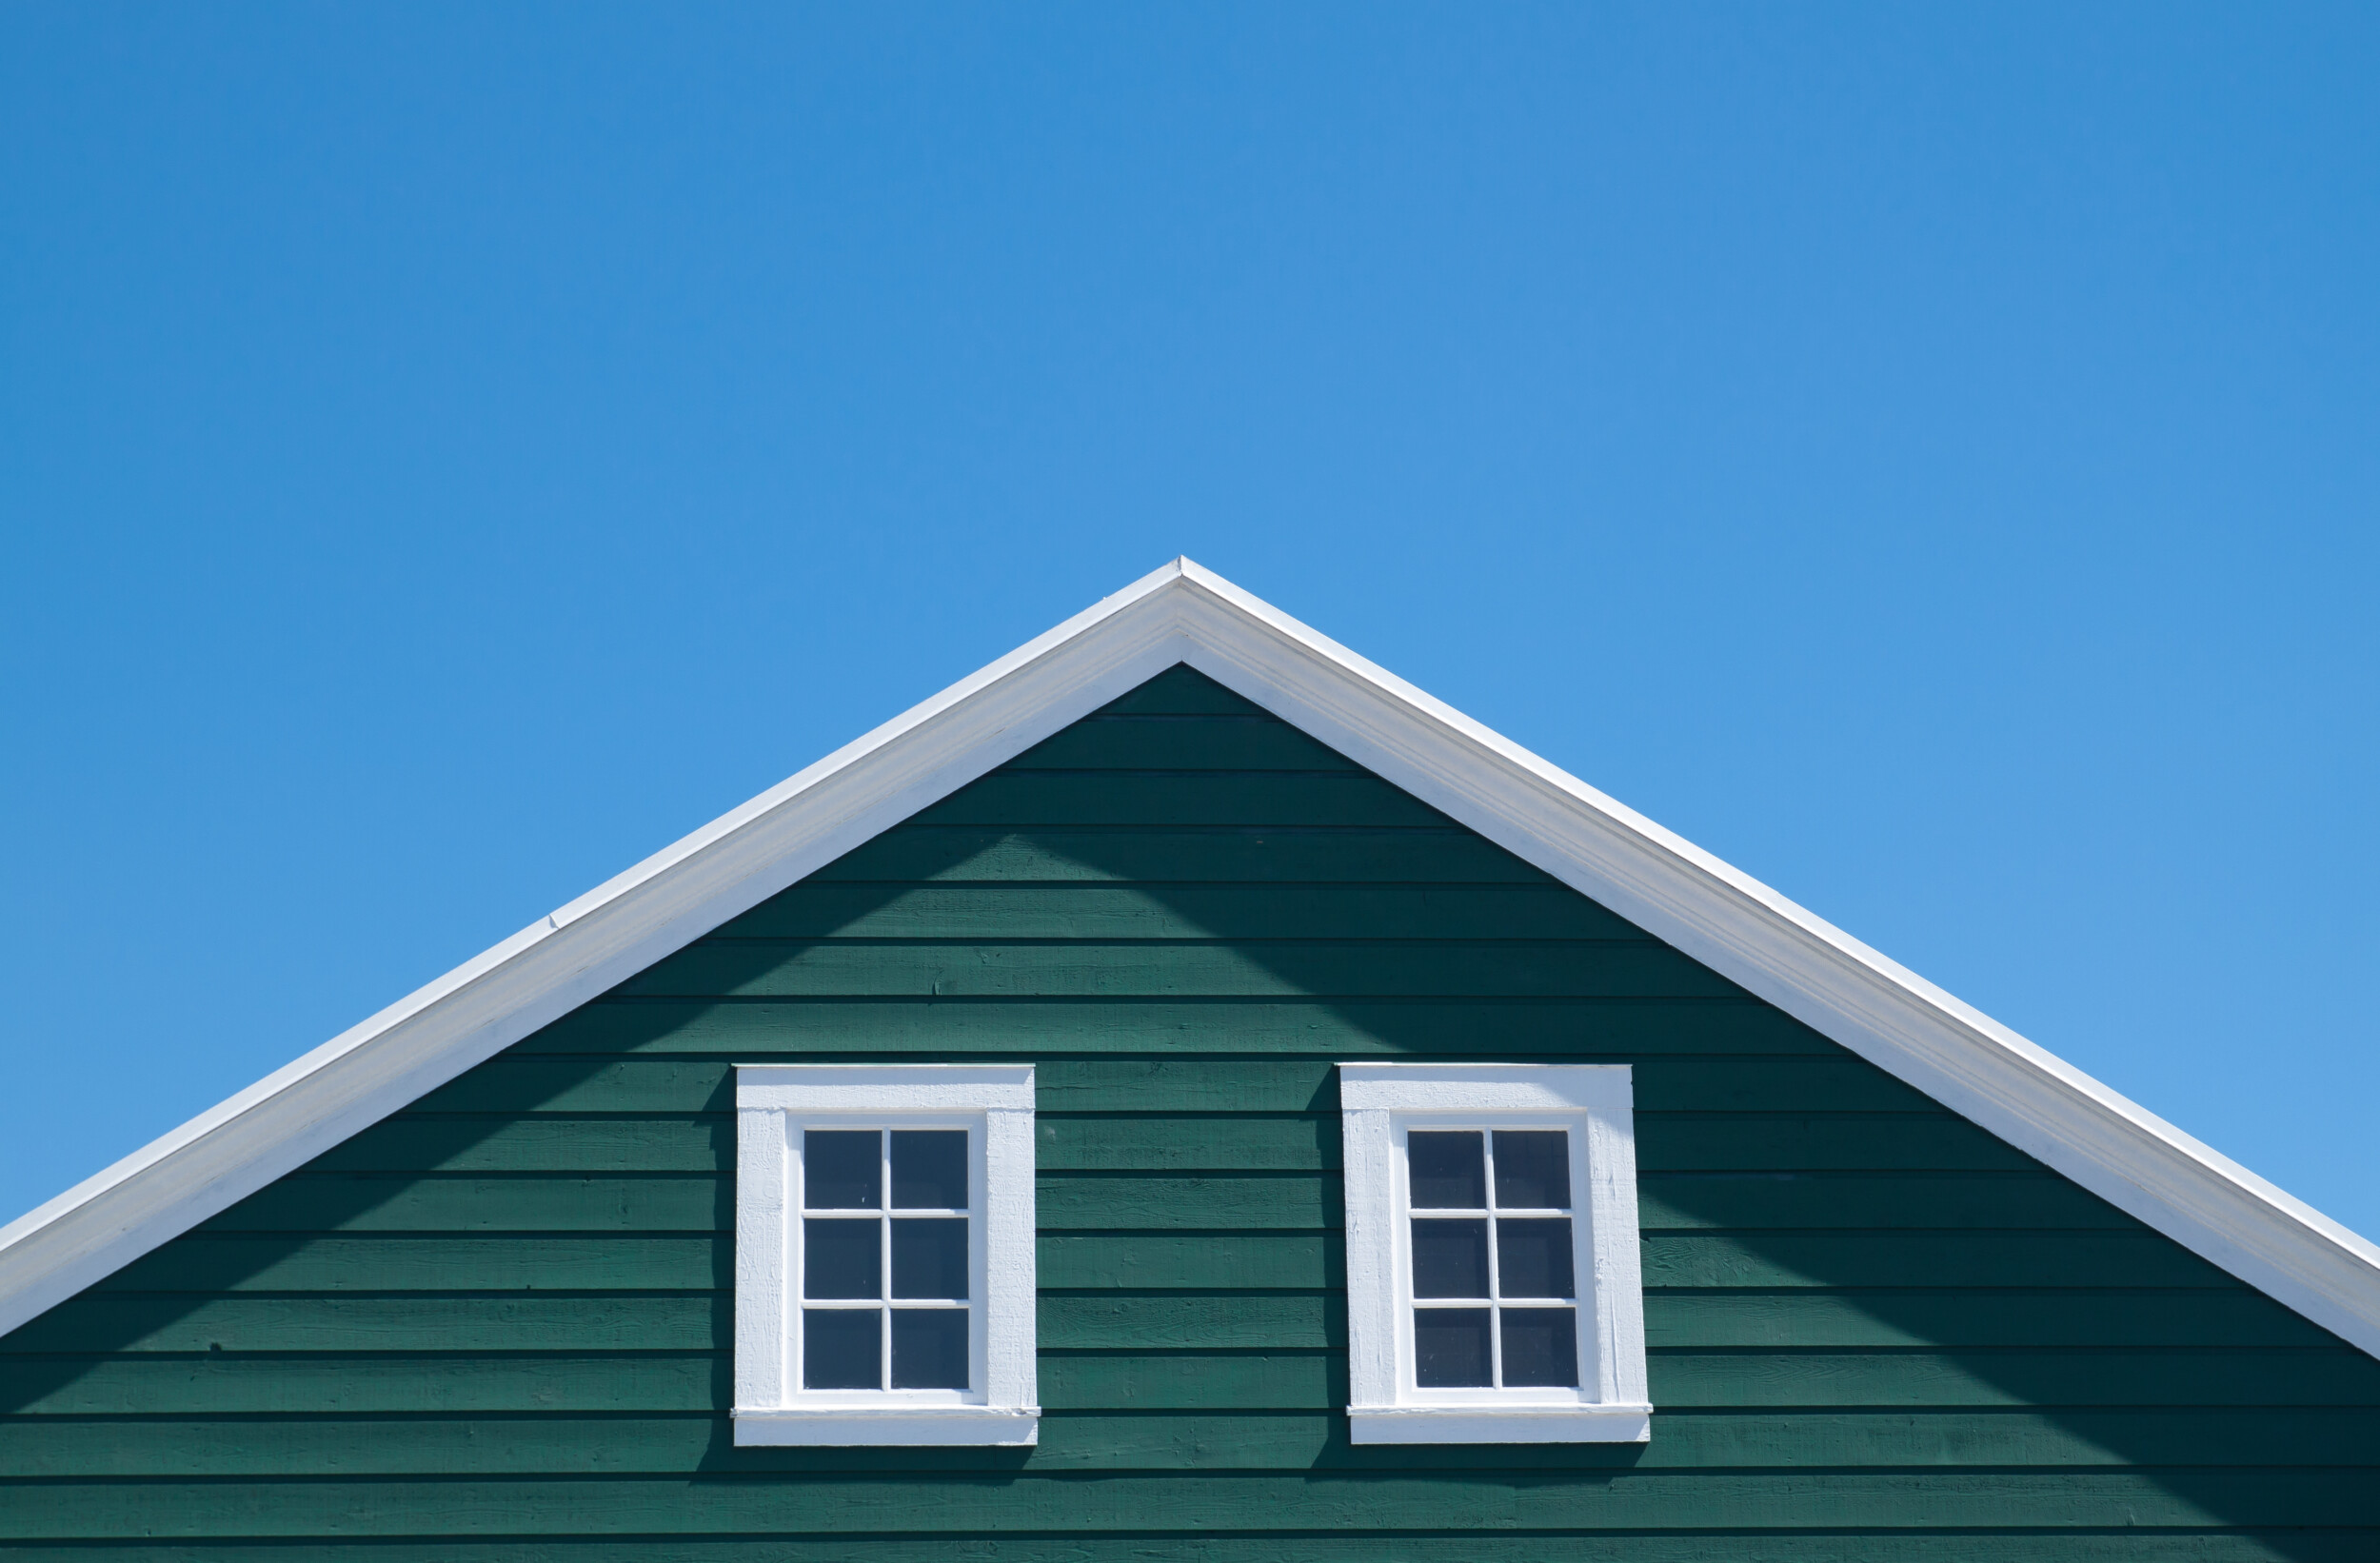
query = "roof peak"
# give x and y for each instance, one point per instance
(1182, 612)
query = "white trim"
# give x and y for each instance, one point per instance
(994, 1104)
(1379, 1103)
(949, 1425)
(1738, 927)
(1503, 1425)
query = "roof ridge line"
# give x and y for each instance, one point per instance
(1182, 612)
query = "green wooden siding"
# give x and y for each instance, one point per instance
(495, 1328)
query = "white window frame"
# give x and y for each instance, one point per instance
(1378, 1104)
(775, 1104)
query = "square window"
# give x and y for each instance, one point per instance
(1451, 1348)
(1480, 1200)
(1541, 1346)
(843, 1349)
(1532, 1169)
(929, 1349)
(1533, 1256)
(929, 1169)
(1450, 1259)
(842, 1258)
(842, 1170)
(884, 1254)
(1445, 1170)
(929, 1258)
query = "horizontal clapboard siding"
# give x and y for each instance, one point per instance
(496, 1328)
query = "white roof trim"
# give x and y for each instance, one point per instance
(1672, 889)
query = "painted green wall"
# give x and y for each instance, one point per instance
(496, 1326)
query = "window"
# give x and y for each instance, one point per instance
(1492, 1279)
(884, 1275)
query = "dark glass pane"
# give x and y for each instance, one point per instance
(841, 1349)
(1450, 1348)
(1541, 1347)
(1450, 1259)
(842, 1258)
(1533, 1257)
(1447, 1171)
(930, 1257)
(841, 1169)
(929, 1169)
(929, 1348)
(1533, 1169)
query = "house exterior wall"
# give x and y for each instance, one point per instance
(496, 1326)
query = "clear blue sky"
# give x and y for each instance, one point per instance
(1928, 455)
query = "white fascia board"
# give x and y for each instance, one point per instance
(1673, 890)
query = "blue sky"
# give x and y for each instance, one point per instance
(1929, 456)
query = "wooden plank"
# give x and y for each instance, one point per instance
(1197, 1142)
(1159, 1083)
(1182, 690)
(1286, 968)
(1612, 1028)
(1193, 1262)
(1210, 1322)
(1739, 1201)
(54, 1448)
(2122, 1545)
(1182, 854)
(489, 1142)
(513, 1322)
(1955, 1316)
(1983, 1259)
(671, 1322)
(432, 1203)
(1820, 1142)
(999, 912)
(958, 1505)
(2163, 1377)
(1295, 1260)
(1200, 1142)
(234, 1262)
(1109, 1320)
(1280, 799)
(1228, 744)
(1212, 1202)
(1194, 1380)
(220, 1383)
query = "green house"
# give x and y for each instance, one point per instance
(1183, 1096)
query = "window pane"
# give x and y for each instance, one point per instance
(1450, 1259)
(841, 1349)
(842, 1258)
(841, 1169)
(1533, 1169)
(930, 1259)
(929, 1169)
(929, 1348)
(1447, 1171)
(1450, 1348)
(1533, 1257)
(1541, 1347)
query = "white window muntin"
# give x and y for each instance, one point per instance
(1382, 1104)
(1582, 1258)
(778, 1105)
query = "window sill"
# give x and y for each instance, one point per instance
(992, 1425)
(1499, 1424)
